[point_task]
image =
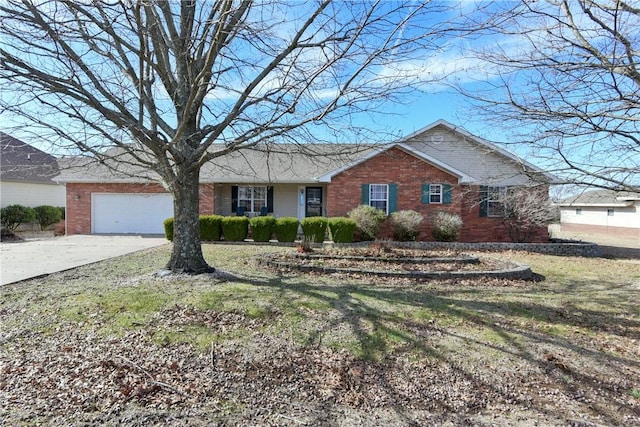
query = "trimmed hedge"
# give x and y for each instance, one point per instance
(314, 228)
(341, 229)
(286, 229)
(235, 228)
(262, 228)
(210, 228)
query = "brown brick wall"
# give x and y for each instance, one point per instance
(78, 210)
(409, 173)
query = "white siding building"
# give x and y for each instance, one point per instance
(602, 211)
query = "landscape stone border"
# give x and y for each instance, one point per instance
(430, 260)
(555, 247)
(518, 271)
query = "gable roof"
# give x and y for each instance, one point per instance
(440, 144)
(22, 162)
(486, 162)
(462, 177)
(602, 198)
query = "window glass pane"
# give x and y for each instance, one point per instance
(378, 196)
(494, 201)
(378, 192)
(252, 198)
(435, 193)
(380, 204)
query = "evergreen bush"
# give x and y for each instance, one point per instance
(262, 228)
(342, 229)
(286, 229)
(210, 227)
(446, 227)
(405, 225)
(168, 229)
(235, 228)
(47, 215)
(314, 228)
(13, 215)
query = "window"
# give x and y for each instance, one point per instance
(491, 201)
(378, 196)
(495, 196)
(609, 212)
(252, 198)
(435, 193)
(578, 211)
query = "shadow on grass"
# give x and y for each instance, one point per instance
(516, 325)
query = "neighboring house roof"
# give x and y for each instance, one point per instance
(22, 162)
(441, 144)
(602, 198)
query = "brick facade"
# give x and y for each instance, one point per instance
(396, 166)
(78, 209)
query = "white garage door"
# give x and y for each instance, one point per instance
(130, 213)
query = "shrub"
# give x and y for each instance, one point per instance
(262, 228)
(13, 215)
(286, 229)
(47, 215)
(314, 228)
(62, 212)
(341, 229)
(405, 225)
(368, 220)
(235, 228)
(210, 227)
(446, 227)
(168, 229)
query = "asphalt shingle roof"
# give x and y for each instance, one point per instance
(22, 162)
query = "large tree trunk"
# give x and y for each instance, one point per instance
(186, 256)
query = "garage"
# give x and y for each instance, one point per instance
(132, 213)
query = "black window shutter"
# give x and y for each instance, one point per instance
(234, 198)
(484, 195)
(270, 199)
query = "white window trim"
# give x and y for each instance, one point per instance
(385, 200)
(252, 199)
(432, 193)
(500, 191)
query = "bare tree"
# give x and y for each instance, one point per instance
(562, 78)
(169, 86)
(526, 211)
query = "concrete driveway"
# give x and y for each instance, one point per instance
(34, 258)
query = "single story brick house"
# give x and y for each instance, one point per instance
(438, 168)
(602, 211)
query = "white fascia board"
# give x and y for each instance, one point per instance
(462, 177)
(622, 204)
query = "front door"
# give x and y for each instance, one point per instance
(313, 201)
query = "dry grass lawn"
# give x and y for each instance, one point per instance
(111, 343)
